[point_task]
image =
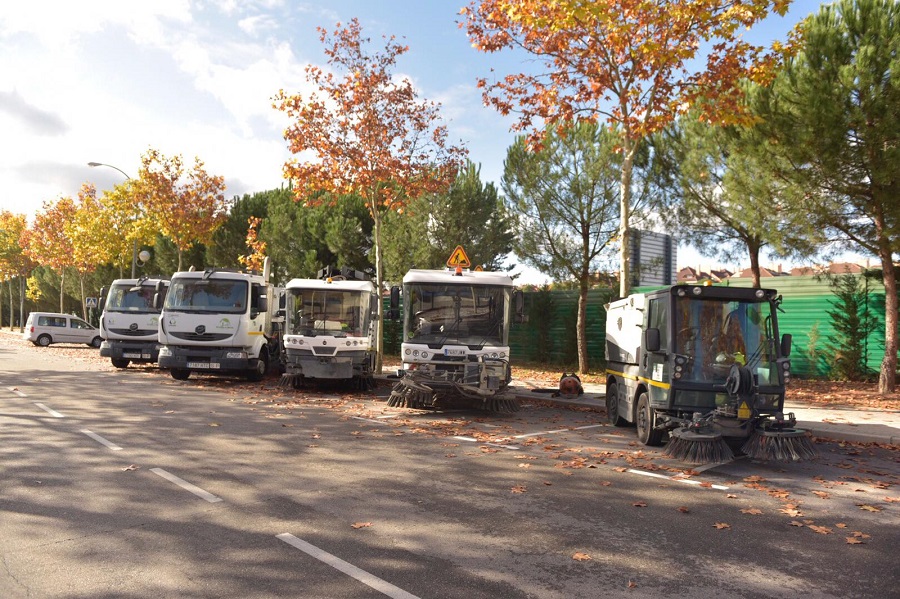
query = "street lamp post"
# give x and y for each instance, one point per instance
(134, 252)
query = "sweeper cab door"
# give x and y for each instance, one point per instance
(655, 367)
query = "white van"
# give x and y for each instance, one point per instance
(44, 328)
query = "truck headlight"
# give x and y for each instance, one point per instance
(165, 351)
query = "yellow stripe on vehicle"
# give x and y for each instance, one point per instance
(632, 377)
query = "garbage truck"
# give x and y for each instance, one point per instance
(330, 328)
(704, 368)
(455, 347)
(129, 323)
(220, 321)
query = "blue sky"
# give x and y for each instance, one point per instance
(104, 80)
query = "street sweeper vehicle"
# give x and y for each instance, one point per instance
(129, 323)
(330, 327)
(219, 321)
(704, 367)
(455, 348)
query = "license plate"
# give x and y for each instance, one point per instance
(211, 365)
(132, 356)
(454, 352)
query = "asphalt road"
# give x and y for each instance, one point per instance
(128, 484)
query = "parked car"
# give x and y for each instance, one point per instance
(44, 328)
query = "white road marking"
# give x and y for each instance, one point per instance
(562, 430)
(101, 440)
(16, 391)
(687, 481)
(186, 485)
(474, 440)
(370, 580)
(50, 411)
(372, 420)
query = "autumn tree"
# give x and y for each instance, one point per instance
(88, 233)
(635, 64)
(229, 241)
(368, 134)
(834, 116)
(186, 206)
(255, 260)
(47, 243)
(14, 262)
(566, 196)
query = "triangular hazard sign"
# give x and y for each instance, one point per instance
(458, 258)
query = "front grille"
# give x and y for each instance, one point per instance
(324, 350)
(130, 333)
(205, 337)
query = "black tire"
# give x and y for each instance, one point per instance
(96, 342)
(120, 362)
(613, 414)
(180, 374)
(645, 419)
(44, 340)
(260, 369)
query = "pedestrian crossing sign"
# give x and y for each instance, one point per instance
(90, 302)
(459, 258)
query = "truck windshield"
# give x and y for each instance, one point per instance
(715, 334)
(123, 297)
(473, 315)
(338, 313)
(207, 295)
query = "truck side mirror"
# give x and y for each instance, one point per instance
(104, 291)
(651, 340)
(394, 311)
(786, 345)
(519, 306)
(262, 303)
(159, 296)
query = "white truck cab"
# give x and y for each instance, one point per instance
(219, 321)
(130, 322)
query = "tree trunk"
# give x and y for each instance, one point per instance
(179, 260)
(379, 267)
(754, 266)
(62, 287)
(581, 335)
(625, 215)
(83, 307)
(21, 304)
(887, 378)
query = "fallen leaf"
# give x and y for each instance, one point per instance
(631, 584)
(731, 496)
(524, 465)
(518, 489)
(214, 424)
(581, 557)
(822, 530)
(754, 479)
(131, 467)
(620, 469)
(860, 535)
(684, 510)
(639, 504)
(548, 483)
(752, 511)
(822, 494)
(868, 508)
(721, 525)
(841, 525)
(853, 541)
(795, 523)
(361, 524)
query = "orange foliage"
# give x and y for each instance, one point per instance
(256, 259)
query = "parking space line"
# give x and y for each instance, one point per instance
(16, 391)
(474, 440)
(370, 580)
(561, 430)
(50, 411)
(186, 485)
(101, 440)
(687, 481)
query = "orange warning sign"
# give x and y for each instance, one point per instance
(459, 258)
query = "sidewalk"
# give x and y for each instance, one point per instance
(838, 424)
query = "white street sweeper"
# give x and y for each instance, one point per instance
(455, 348)
(330, 326)
(705, 368)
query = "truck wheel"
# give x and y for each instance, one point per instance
(613, 414)
(180, 374)
(120, 362)
(258, 373)
(44, 340)
(646, 421)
